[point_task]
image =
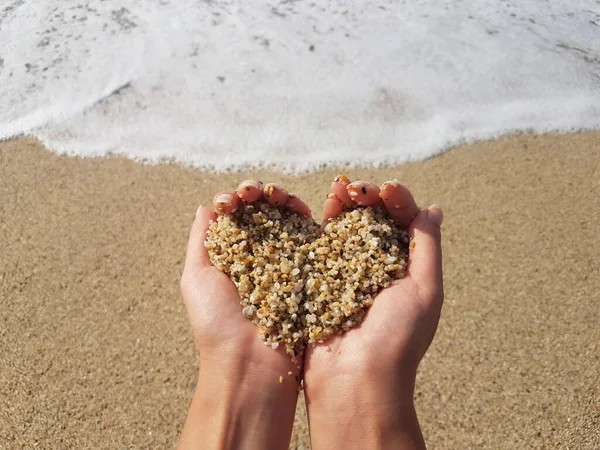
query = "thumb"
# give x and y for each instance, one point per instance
(425, 255)
(196, 257)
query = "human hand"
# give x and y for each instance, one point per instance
(238, 398)
(359, 386)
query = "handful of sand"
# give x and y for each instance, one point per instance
(300, 283)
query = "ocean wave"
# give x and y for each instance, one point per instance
(293, 85)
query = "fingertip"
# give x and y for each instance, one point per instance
(296, 205)
(399, 202)
(338, 187)
(363, 193)
(226, 203)
(332, 207)
(387, 188)
(435, 214)
(426, 221)
(275, 194)
(250, 190)
(342, 178)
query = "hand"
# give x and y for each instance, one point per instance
(238, 399)
(359, 386)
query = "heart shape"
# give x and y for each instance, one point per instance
(301, 283)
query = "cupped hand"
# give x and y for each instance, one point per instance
(244, 387)
(369, 371)
(402, 321)
(213, 304)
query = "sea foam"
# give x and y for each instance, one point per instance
(293, 84)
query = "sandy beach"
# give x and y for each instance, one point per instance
(95, 347)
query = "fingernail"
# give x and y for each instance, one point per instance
(223, 199)
(332, 195)
(358, 185)
(393, 183)
(250, 184)
(435, 214)
(341, 179)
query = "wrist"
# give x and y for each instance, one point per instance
(239, 403)
(363, 409)
(246, 377)
(360, 377)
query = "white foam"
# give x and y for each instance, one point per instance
(294, 84)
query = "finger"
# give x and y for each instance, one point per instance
(226, 203)
(332, 208)
(250, 190)
(196, 256)
(275, 194)
(296, 205)
(338, 187)
(399, 203)
(363, 193)
(425, 252)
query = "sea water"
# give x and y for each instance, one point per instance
(293, 84)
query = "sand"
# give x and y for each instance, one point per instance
(301, 284)
(95, 348)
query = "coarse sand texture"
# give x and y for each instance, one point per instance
(301, 283)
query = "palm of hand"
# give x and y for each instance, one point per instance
(213, 305)
(398, 327)
(212, 302)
